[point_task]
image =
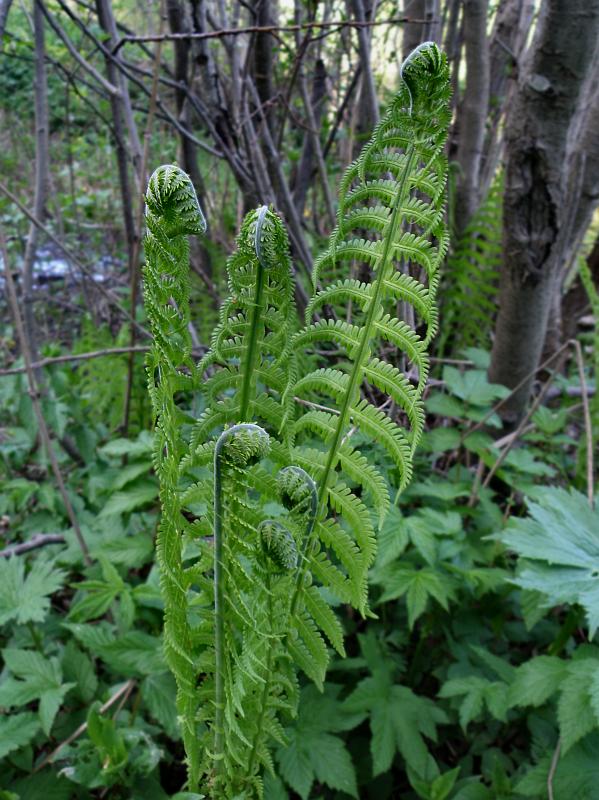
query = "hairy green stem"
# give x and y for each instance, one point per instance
(242, 459)
(252, 349)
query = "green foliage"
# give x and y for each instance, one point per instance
(26, 598)
(390, 221)
(558, 550)
(471, 276)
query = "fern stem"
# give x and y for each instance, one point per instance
(267, 682)
(357, 372)
(252, 349)
(252, 443)
(219, 611)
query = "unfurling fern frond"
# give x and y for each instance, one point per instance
(172, 212)
(391, 233)
(289, 496)
(244, 374)
(471, 276)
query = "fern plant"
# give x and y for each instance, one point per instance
(265, 500)
(471, 277)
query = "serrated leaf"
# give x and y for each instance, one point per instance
(25, 598)
(16, 731)
(536, 681)
(159, 694)
(574, 711)
(134, 497)
(559, 542)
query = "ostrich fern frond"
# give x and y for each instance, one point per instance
(391, 230)
(471, 277)
(258, 517)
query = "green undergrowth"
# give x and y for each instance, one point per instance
(480, 666)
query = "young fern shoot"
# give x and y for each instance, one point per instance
(259, 517)
(391, 226)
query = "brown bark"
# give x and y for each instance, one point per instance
(178, 23)
(305, 170)
(544, 131)
(472, 111)
(414, 33)
(506, 46)
(42, 155)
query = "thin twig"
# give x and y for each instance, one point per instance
(34, 394)
(36, 541)
(110, 351)
(552, 769)
(70, 257)
(125, 689)
(587, 422)
(340, 24)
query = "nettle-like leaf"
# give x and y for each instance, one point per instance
(399, 719)
(26, 598)
(35, 678)
(313, 752)
(575, 684)
(391, 235)
(559, 550)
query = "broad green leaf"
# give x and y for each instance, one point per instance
(560, 545)
(132, 498)
(25, 598)
(159, 694)
(313, 752)
(537, 680)
(574, 709)
(78, 668)
(576, 776)
(16, 731)
(41, 679)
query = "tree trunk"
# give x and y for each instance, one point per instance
(306, 169)
(472, 112)
(414, 33)
(41, 174)
(543, 133)
(188, 150)
(507, 43)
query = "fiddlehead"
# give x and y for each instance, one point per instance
(235, 450)
(244, 374)
(390, 226)
(172, 212)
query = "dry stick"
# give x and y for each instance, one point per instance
(587, 421)
(89, 68)
(511, 441)
(552, 769)
(109, 351)
(125, 689)
(36, 541)
(504, 400)
(108, 294)
(139, 221)
(34, 394)
(266, 29)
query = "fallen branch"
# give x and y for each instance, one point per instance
(124, 690)
(36, 541)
